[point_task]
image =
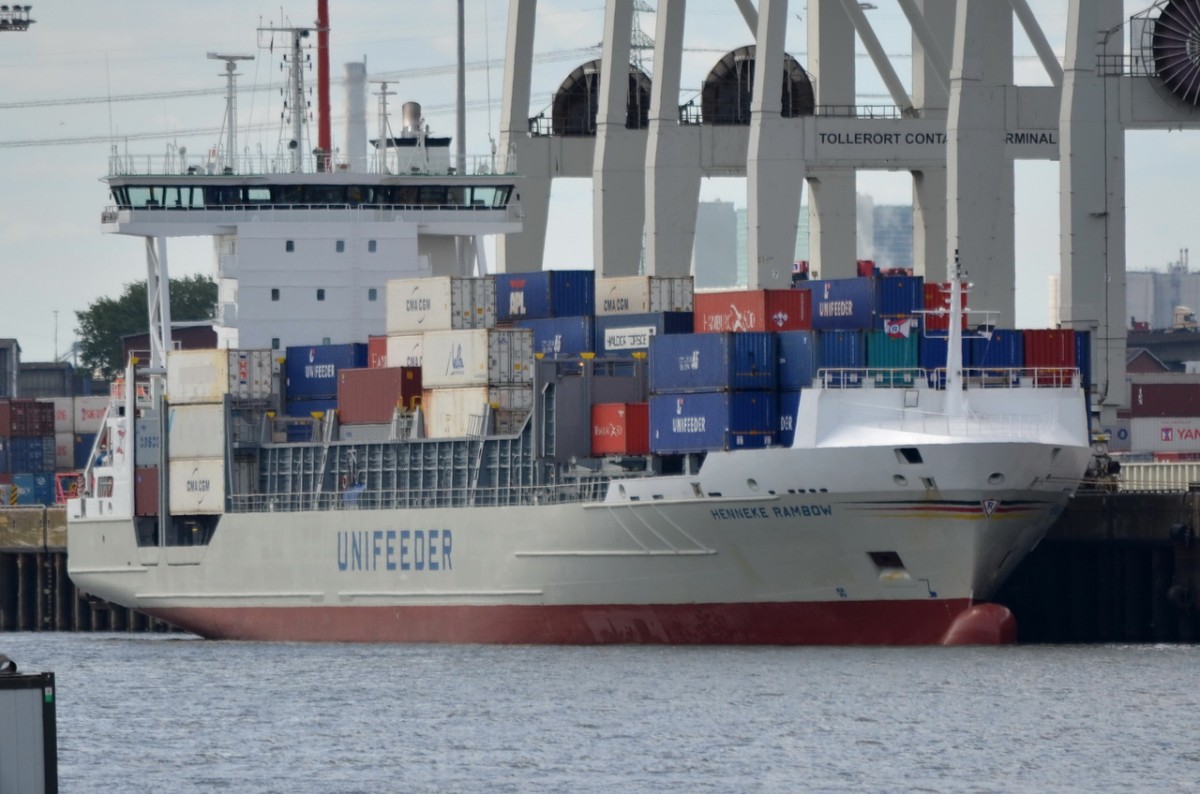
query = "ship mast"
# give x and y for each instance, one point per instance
(955, 404)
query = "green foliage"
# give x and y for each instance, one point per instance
(106, 320)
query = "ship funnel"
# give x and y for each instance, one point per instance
(410, 119)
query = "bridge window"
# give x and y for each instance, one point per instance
(258, 195)
(321, 194)
(289, 194)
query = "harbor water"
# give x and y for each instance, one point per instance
(149, 713)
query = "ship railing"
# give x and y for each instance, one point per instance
(357, 497)
(176, 161)
(935, 378)
(511, 212)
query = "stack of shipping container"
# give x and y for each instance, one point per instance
(201, 386)
(630, 311)
(26, 452)
(1163, 418)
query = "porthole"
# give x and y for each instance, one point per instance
(900, 480)
(995, 478)
(752, 485)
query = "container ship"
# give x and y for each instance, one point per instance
(708, 488)
(551, 456)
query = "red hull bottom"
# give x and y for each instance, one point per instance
(930, 622)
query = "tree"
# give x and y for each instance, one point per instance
(106, 320)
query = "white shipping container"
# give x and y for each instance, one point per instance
(458, 412)
(197, 486)
(404, 350)
(88, 414)
(64, 413)
(453, 413)
(1164, 434)
(644, 294)
(147, 442)
(480, 357)
(440, 303)
(206, 376)
(64, 450)
(196, 431)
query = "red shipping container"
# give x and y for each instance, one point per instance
(1164, 399)
(1051, 351)
(621, 429)
(937, 296)
(26, 418)
(753, 310)
(145, 491)
(370, 396)
(376, 351)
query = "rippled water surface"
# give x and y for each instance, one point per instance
(159, 714)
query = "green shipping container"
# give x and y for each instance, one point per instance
(892, 359)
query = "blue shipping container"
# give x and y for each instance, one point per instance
(5, 455)
(306, 407)
(682, 423)
(312, 371)
(34, 489)
(843, 303)
(545, 293)
(789, 405)
(798, 359)
(900, 294)
(1004, 349)
(33, 454)
(622, 335)
(682, 363)
(83, 448)
(561, 337)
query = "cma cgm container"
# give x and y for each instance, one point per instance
(1164, 399)
(937, 298)
(622, 335)
(440, 303)
(620, 429)
(798, 359)
(545, 293)
(311, 371)
(644, 294)
(846, 304)
(561, 337)
(481, 357)
(753, 310)
(405, 350)
(713, 362)
(684, 423)
(204, 376)
(371, 396)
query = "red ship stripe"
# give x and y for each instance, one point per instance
(811, 623)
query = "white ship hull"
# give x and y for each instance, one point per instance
(769, 546)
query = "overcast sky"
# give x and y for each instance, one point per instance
(88, 77)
